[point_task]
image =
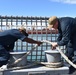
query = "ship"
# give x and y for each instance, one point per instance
(42, 31)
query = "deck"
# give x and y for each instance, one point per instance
(38, 69)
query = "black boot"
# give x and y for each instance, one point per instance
(71, 70)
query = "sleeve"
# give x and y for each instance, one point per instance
(59, 36)
(66, 32)
(20, 35)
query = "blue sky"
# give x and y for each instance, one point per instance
(44, 8)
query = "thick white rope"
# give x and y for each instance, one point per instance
(4, 67)
(45, 41)
(51, 65)
(58, 64)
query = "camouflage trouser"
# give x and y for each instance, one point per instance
(4, 56)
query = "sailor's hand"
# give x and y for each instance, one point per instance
(39, 43)
(54, 45)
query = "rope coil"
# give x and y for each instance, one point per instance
(51, 65)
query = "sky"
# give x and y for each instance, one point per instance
(44, 8)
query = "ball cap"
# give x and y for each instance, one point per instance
(22, 28)
(52, 20)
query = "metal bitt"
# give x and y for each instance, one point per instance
(15, 56)
(53, 58)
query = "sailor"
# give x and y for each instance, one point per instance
(8, 39)
(66, 27)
